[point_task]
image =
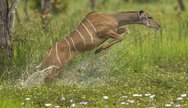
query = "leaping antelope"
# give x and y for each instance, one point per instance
(95, 29)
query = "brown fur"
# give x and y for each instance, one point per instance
(106, 25)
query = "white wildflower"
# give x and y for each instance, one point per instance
(57, 106)
(47, 104)
(147, 94)
(73, 105)
(171, 103)
(83, 103)
(137, 95)
(179, 98)
(27, 99)
(151, 107)
(71, 100)
(130, 101)
(177, 105)
(152, 96)
(123, 103)
(62, 98)
(105, 97)
(168, 105)
(183, 95)
(124, 96)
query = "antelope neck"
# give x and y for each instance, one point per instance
(124, 18)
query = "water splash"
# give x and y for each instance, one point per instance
(37, 78)
(92, 71)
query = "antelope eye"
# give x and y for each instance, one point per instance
(150, 17)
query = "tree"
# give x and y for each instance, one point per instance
(182, 5)
(93, 4)
(7, 15)
(46, 9)
(25, 10)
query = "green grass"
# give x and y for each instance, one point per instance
(145, 62)
(12, 103)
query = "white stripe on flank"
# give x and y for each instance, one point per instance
(57, 54)
(91, 24)
(81, 36)
(73, 43)
(69, 47)
(88, 32)
(50, 52)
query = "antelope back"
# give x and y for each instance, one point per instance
(85, 35)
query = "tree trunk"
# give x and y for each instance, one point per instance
(7, 15)
(25, 11)
(45, 14)
(182, 5)
(93, 4)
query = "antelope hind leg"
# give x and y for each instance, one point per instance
(54, 72)
(119, 37)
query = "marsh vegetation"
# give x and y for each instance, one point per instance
(147, 69)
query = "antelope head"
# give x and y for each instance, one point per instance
(147, 20)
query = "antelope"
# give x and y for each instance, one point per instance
(94, 30)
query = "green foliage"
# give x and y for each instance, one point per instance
(141, 1)
(148, 62)
(58, 6)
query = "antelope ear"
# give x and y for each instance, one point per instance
(141, 14)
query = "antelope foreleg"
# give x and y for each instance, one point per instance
(119, 33)
(106, 46)
(110, 34)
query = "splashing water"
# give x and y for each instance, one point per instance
(93, 71)
(37, 78)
